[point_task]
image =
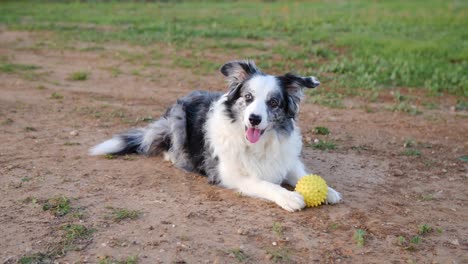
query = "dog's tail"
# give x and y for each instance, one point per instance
(151, 140)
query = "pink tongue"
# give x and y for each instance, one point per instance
(253, 135)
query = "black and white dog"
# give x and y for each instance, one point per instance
(246, 139)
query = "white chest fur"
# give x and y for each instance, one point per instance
(270, 159)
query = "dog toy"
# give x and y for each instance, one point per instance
(313, 188)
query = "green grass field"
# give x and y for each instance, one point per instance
(353, 46)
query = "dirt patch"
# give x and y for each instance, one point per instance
(389, 191)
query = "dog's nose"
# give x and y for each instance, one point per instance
(255, 119)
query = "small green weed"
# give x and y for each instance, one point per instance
(463, 158)
(239, 254)
(110, 156)
(333, 226)
(405, 107)
(321, 131)
(110, 260)
(402, 104)
(409, 143)
(416, 240)
(68, 143)
(324, 145)
(120, 214)
(15, 68)
(36, 259)
(75, 232)
(431, 106)
(461, 106)
(59, 206)
(30, 129)
(56, 96)
(401, 240)
(78, 76)
(25, 179)
(115, 71)
(7, 121)
(280, 254)
(411, 152)
(359, 236)
(424, 229)
(410, 245)
(427, 197)
(277, 228)
(332, 100)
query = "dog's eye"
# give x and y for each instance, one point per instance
(273, 103)
(248, 97)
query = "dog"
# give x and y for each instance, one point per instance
(246, 139)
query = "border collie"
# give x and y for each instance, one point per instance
(246, 139)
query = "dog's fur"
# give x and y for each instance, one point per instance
(246, 139)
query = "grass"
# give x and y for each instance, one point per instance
(121, 214)
(359, 236)
(411, 152)
(110, 260)
(371, 45)
(15, 68)
(277, 229)
(35, 259)
(69, 143)
(74, 236)
(329, 99)
(56, 96)
(239, 254)
(280, 254)
(78, 76)
(110, 156)
(333, 226)
(59, 206)
(404, 104)
(76, 232)
(324, 145)
(24, 70)
(321, 131)
(424, 229)
(427, 197)
(412, 243)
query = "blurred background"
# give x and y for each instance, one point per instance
(356, 47)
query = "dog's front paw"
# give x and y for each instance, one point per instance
(290, 201)
(333, 196)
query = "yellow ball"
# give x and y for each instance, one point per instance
(313, 188)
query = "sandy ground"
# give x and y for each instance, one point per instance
(43, 154)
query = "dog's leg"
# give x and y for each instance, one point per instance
(290, 201)
(250, 186)
(299, 171)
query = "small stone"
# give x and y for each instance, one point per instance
(444, 170)
(455, 242)
(241, 231)
(398, 173)
(268, 256)
(274, 243)
(316, 140)
(103, 244)
(74, 133)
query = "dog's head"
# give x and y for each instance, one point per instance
(263, 102)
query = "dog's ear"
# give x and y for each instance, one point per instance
(237, 72)
(294, 86)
